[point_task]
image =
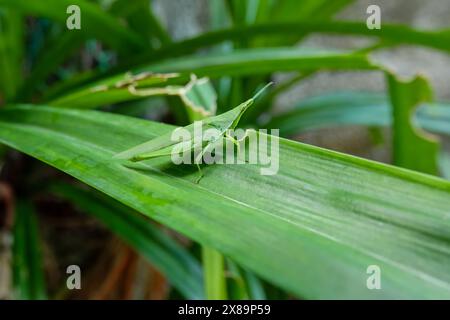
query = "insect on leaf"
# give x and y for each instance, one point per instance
(162, 145)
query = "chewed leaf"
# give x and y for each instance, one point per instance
(197, 95)
(200, 98)
(117, 89)
(413, 148)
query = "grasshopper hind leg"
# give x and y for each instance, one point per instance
(200, 174)
(198, 158)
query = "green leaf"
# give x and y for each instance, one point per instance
(243, 284)
(122, 87)
(179, 266)
(235, 282)
(294, 11)
(28, 274)
(328, 217)
(332, 110)
(393, 34)
(64, 45)
(444, 162)
(198, 95)
(390, 34)
(11, 53)
(242, 62)
(218, 15)
(237, 10)
(255, 288)
(199, 98)
(412, 148)
(434, 117)
(141, 19)
(94, 21)
(262, 61)
(54, 54)
(355, 108)
(360, 108)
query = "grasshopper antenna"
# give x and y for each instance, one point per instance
(262, 90)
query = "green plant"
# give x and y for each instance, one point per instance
(314, 227)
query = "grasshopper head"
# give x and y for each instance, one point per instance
(249, 102)
(242, 108)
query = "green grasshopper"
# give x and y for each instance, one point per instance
(163, 145)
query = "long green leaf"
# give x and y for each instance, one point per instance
(332, 110)
(445, 164)
(218, 15)
(355, 108)
(141, 19)
(63, 45)
(242, 62)
(28, 272)
(394, 34)
(390, 33)
(262, 61)
(11, 53)
(94, 21)
(295, 11)
(54, 54)
(361, 108)
(329, 216)
(434, 117)
(182, 270)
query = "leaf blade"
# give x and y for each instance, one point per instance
(332, 223)
(94, 20)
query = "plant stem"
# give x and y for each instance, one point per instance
(214, 276)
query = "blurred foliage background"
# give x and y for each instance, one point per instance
(338, 86)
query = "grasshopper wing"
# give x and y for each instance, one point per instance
(151, 146)
(184, 146)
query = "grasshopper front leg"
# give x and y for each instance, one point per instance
(235, 142)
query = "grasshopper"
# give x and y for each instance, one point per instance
(163, 145)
